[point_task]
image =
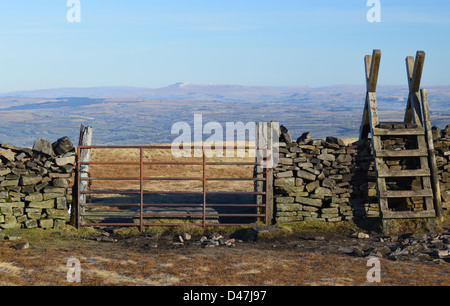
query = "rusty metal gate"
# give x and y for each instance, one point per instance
(139, 206)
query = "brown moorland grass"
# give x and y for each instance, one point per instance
(44, 264)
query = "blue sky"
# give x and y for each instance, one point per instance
(155, 43)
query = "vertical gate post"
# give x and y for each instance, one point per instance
(265, 136)
(84, 155)
(141, 184)
(273, 137)
(259, 156)
(75, 209)
(204, 187)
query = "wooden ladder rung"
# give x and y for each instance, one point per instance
(404, 173)
(397, 125)
(409, 214)
(398, 132)
(406, 193)
(402, 153)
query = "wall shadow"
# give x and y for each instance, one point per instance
(364, 200)
(186, 204)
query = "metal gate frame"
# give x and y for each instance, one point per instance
(266, 192)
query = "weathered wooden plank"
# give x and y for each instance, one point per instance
(408, 214)
(365, 122)
(414, 68)
(418, 69)
(409, 75)
(269, 204)
(265, 136)
(413, 114)
(258, 172)
(373, 109)
(397, 125)
(402, 153)
(431, 155)
(372, 74)
(426, 181)
(367, 66)
(86, 134)
(378, 161)
(272, 128)
(398, 132)
(406, 193)
(372, 67)
(404, 173)
(429, 205)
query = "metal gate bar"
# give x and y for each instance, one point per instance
(142, 192)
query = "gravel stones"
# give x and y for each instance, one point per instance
(431, 248)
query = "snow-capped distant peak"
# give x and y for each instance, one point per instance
(180, 84)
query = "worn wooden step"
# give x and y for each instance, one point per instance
(404, 173)
(402, 153)
(409, 214)
(406, 193)
(398, 132)
(397, 125)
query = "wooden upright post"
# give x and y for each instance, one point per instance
(266, 147)
(85, 156)
(414, 68)
(259, 185)
(431, 155)
(372, 65)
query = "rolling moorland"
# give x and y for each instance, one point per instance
(131, 116)
(305, 256)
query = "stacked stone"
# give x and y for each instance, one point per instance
(34, 184)
(442, 148)
(365, 197)
(322, 180)
(327, 180)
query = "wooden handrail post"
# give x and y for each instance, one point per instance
(431, 155)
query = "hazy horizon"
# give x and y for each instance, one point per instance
(187, 84)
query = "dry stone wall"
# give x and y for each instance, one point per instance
(315, 180)
(34, 184)
(442, 147)
(331, 180)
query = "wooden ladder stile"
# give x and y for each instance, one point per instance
(423, 172)
(416, 125)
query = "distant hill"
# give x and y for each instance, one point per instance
(131, 115)
(175, 91)
(189, 91)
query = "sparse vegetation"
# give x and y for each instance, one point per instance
(129, 263)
